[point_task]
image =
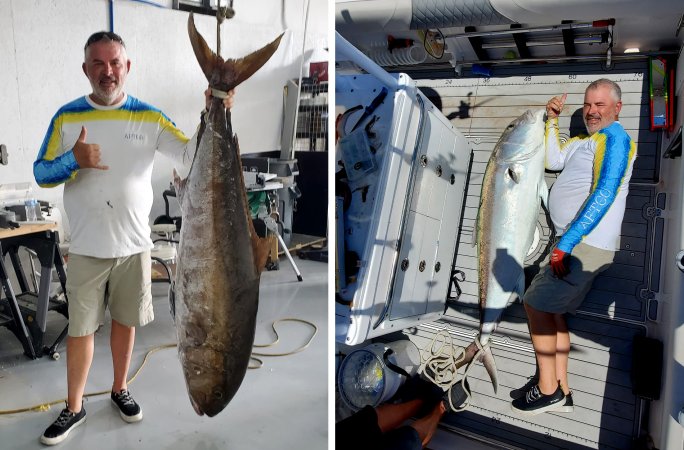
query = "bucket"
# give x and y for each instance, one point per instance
(373, 374)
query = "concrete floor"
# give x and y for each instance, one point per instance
(281, 405)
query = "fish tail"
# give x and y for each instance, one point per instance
(481, 353)
(233, 71)
(487, 359)
(469, 354)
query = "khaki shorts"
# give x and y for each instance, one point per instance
(122, 284)
(550, 294)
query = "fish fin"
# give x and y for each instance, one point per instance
(544, 192)
(513, 174)
(262, 249)
(179, 185)
(485, 356)
(239, 70)
(206, 58)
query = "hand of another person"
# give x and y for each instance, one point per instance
(555, 106)
(227, 102)
(87, 155)
(559, 262)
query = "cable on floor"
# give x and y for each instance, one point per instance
(46, 406)
(303, 245)
(271, 344)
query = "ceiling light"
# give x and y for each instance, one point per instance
(632, 50)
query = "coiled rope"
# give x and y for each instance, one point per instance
(440, 361)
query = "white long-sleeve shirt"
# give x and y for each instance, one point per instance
(587, 202)
(109, 210)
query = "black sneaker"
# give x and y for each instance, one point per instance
(521, 391)
(534, 402)
(61, 427)
(568, 406)
(130, 411)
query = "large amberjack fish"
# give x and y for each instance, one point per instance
(220, 257)
(512, 187)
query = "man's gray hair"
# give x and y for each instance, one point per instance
(615, 89)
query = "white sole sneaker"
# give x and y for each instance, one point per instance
(568, 405)
(533, 412)
(129, 419)
(57, 439)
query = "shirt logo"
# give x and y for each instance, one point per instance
(601, 201)
(137, 137)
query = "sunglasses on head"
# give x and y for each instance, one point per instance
(106, 35)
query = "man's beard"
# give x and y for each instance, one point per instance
(593, 128)
(107, 96)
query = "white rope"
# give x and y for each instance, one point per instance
(439, 363)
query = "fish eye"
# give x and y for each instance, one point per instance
(218, 394)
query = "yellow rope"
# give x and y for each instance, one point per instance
(303, 245)
(260, 362)
(46, 406)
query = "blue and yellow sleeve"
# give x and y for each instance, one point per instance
(614, 152)
(52, 168)
(173, 143)
(556, 152)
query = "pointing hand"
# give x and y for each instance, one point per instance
(87, 155)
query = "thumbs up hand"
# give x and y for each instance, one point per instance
(87, 155)
(555, 106)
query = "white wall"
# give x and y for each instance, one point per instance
(41, 52)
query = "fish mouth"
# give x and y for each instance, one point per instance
(206, 404)
(196, 406)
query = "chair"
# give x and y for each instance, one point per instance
(164, 251)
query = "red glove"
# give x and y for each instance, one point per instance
(559, 262)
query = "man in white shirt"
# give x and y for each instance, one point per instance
(587, 205)
(102, 147)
